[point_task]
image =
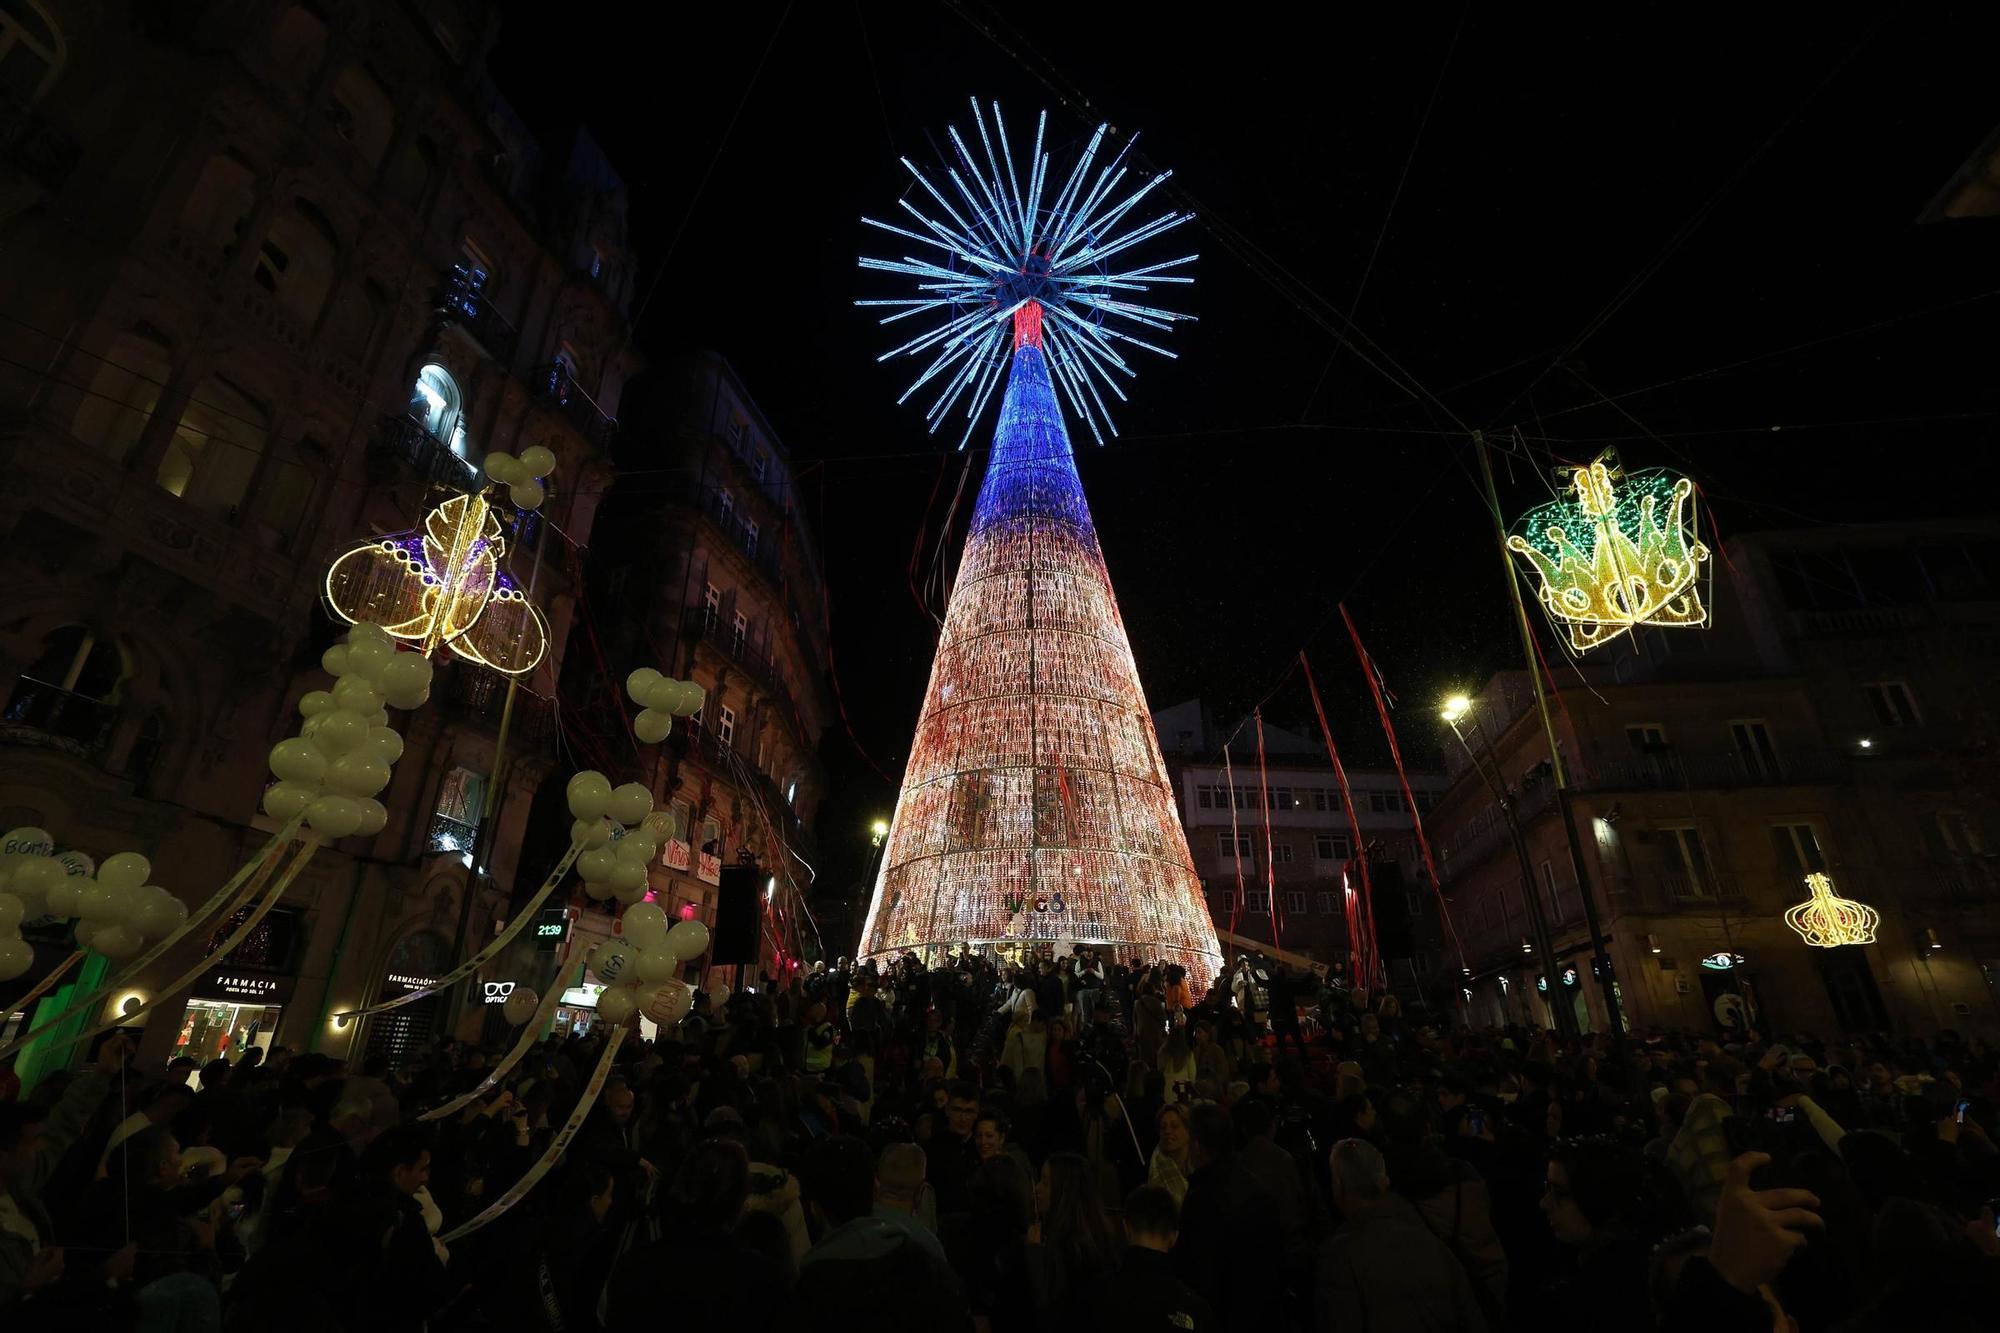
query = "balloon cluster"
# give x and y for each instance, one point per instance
(661, 700)
(520, 1005)
(522, 476)
(343, 753)
(638, 967)
(620, 833)
(120, 911)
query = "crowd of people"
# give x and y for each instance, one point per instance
(1079, 1143)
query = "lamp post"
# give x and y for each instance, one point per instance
(1455, 710)
(1600, 958)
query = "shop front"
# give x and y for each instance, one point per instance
(415, 964)
(233, 1009)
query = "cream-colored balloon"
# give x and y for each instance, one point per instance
(688, 939)
(667, 1003)
(589, 794)
(655, 966)
(16, 957)
(652, 726)
(617, 1005)
(645, 925)
(539, 460)
(125, 870)
(28, 841)
(630, 802)
(117, 941)
(334, 816)
(286, 799)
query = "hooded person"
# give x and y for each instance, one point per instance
(860, 1256)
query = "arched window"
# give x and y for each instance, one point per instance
(297, 260)
(124, 389)
(68, 691)
(216, 446)
(362, 113)
(31, 50)
(436, 403)
(223, 195)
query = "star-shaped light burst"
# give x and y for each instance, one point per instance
(1013, 244)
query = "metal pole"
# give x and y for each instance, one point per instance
(1564, 1015)
(489, 800)
(1600, 959)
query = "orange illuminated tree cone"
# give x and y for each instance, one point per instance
(1036, 805)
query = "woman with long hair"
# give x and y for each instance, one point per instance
(1072, 1242)
(1170, 1165)
(1177, 1066)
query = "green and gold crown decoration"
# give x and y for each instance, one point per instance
(1827, 921)
(1622, 553)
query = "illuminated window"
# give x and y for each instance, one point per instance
(596, 262)
(725, 723)
(711, 604)
(435, 401)
(31, 50)
(739, 632)
(455, 821)
(214, 452)
(727, 502)
(792, 793)
(1893, 703)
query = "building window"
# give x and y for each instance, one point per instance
(31, 50)
(750, 533)
(760, 464)
(296, 263)
(362, 113)
(1324, 801)
(1959, 836)
(1255, 901)
(596, 262)
(1687, 868)
(738, 431)
(791, 793)
(1330, 846)
(711, 604)
(1233, 846)
(1554, 897)
(1295, 902)
(1203, 797)
(455, 821)
(1281, 853)
(1893, 703)
(215, 448)
(1646, 737)
(739, 632)
(435, 401)
(1754, 749)
(1799, 851)
(68, 691)
(124, 389)
(1325, 904)
(1281, 799)
(725, 723)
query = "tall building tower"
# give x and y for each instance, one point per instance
(1036, 805)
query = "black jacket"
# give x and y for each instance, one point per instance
(1142, 1295)
(1229, 1237)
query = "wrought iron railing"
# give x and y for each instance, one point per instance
(451, 835)
(1674, 769)
(402, 441)
(476, 694)
(49, 713)
(463, 299)
(758, 546)
(556, 389)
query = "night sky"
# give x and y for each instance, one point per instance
(1709, 216)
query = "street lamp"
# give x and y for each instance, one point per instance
(1455, 708)
(877, 831)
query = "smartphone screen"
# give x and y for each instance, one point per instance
(1961, 1111)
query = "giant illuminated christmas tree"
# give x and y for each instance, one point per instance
(1036, 805)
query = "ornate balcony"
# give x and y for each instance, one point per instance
(556, 390)
(1674, 769)
(463, 299)
(758, 547)
(402, 441)
(451, 835)
(473, 694)
(48, 716)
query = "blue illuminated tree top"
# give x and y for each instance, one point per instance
(1020, 267)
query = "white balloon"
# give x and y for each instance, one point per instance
(28, 841)
(75, 864)
(334, 816)
(39, 876)
(160, 912)
(408, 702)
(63, 899)
(652, 726)
(609, 960)
(538, 460)
(286, 799)
(527, 493)
(635, 848)
(385, 743)
(117, 941)
(645, 925)
(502, 468)
(692, 698)
(666, 1004)
(641, 682)
(595, 865)
(357, 774)
(660, 825)
(355, 695)
(617, 1005)
(597, 890)
(627, 878)
(295, 759)
(12, 912)
(404, 673)
(86, 931)
(688, 939)
(102, 903)
(366, 659)
(520, 1006)
(334, 660)
(590, 834)
(125, 870)
(589, 794)
(339, 732)
(366, 630)
(628, 893)
(630, 803)
(314, 702)
(656, 965)
(16, 957)
(374, 816)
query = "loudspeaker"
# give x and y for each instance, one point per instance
(739, 915)
(1391, 901)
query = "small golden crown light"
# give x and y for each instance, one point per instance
(1622, 553)
(443, 587)
(1827, 921)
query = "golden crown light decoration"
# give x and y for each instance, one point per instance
(443, 586)
(1827, 921)
(1623, 553)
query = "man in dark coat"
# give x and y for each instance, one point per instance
(1385, 1271)
(1229, 1229)
(1142, 1295)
